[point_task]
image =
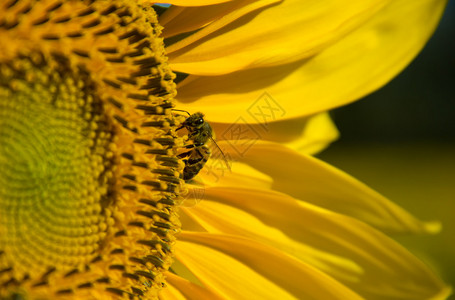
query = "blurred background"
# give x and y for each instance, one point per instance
(400, 141)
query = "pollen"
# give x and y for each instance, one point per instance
(89, 178)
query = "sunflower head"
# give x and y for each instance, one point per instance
(87, 151)
(93, 162)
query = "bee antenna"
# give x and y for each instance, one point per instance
(222, 153)
(182, 111)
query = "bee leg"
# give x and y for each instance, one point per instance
(188, 153)
(185, 154)
(189, 146)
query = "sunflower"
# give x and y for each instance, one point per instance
(93, 204)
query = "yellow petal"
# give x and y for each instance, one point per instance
(192, 2)
(244, 269)
(217, 217)
(307, 178)
(170, 293)
(358, 64)
(187, 289)
(282, 33)
(225, 275)
(307, 134)
(318, 133)
(178, 19)
(380, 259)
(215, 173)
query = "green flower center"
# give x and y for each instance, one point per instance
(89, 178)
(55, 165)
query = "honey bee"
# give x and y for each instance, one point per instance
(199, 134)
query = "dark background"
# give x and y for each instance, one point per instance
(400, 140)
(419, 104)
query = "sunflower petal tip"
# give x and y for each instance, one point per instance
(432, 227)
(445, 293)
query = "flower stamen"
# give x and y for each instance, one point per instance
(89, 179)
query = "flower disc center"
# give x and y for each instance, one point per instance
(55, 166)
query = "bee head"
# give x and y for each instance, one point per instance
(195, 121)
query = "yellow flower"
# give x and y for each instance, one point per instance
(91, 189)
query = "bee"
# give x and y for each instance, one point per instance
(199, 134)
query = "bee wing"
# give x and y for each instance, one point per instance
(219, 151)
